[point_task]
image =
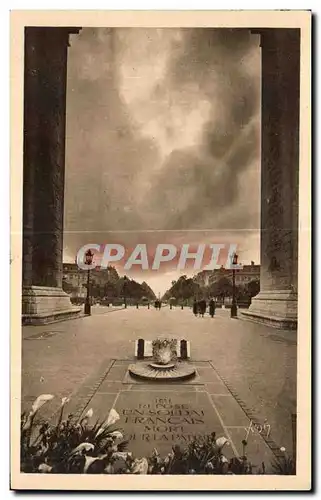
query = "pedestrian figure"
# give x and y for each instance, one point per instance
(211, 306)
(202, 307)
(195, 308)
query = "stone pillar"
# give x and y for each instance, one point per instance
(276, 304)
(45, 77)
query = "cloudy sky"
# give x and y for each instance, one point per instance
(163, 141)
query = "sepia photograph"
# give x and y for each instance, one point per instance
(160, 250)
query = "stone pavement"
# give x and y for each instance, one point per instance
(248, 371)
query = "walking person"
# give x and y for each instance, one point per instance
(202, 307)
(212, 306)
(195, 308)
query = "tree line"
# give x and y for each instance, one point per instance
(184, 290)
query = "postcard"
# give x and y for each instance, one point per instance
(160, 250)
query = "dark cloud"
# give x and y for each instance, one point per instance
(175, 151)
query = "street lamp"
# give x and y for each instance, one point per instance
(125, 291)
(88, 261)
(234, 306)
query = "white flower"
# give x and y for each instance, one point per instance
(224, 459)
(64, 401)
(116, 435)
(221, 441)
(282, 449)
(113, 417)
(89, 413)
(83, 446)
(140, 466)
(40, 401)
(44, 468)
(122, 454)
(168, 458)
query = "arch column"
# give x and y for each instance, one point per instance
(45, 77)
(276, 304)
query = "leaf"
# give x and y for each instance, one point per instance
(88, 462)
(123, 445)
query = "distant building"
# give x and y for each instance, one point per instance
(75, 278)
(249, 272)
(217, 274)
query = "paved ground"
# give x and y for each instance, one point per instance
(258, 363)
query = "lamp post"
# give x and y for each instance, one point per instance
(125, 291)
(234, 306)
(88, 261)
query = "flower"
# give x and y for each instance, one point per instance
(82, 447)
(64, 401)
(122, 454)
(224, 459)
(113, 417)
(140, 466)
(116, 435)
(89, 413)
(44, 468)
(169, 457)
(39, 402)
(282, 449)
(221, 441)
